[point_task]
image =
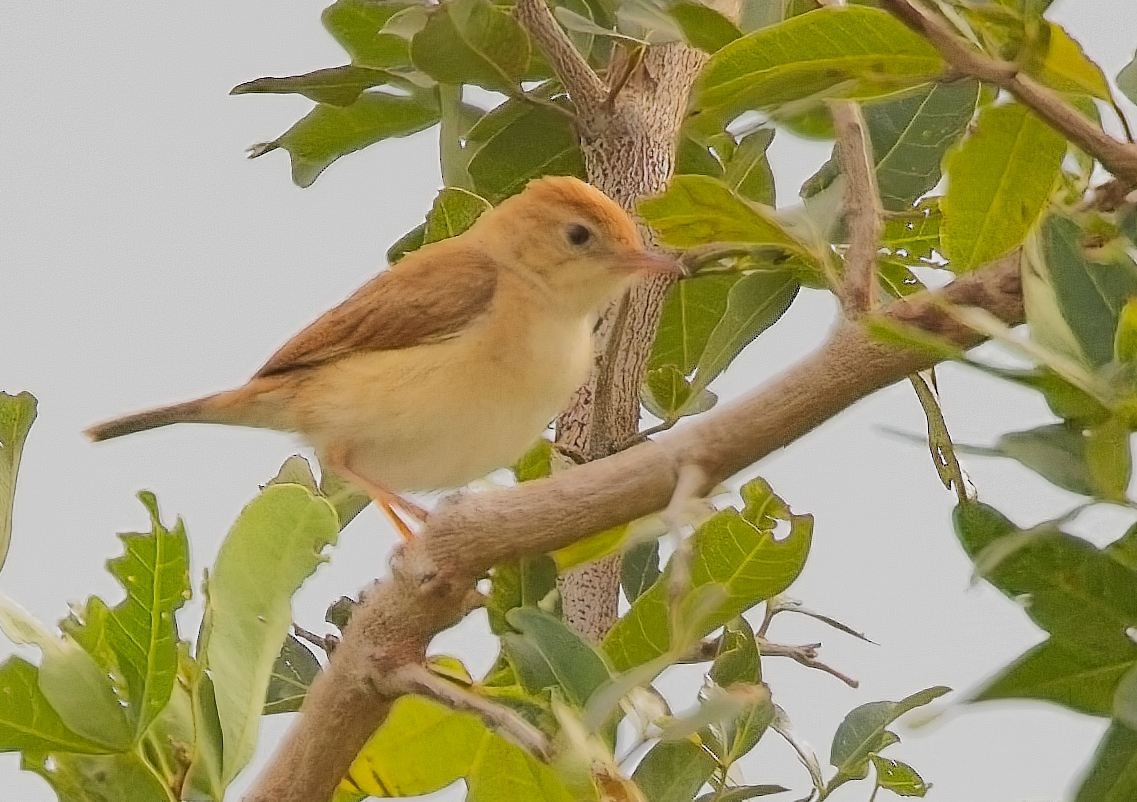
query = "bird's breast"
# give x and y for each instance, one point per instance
(443, 414)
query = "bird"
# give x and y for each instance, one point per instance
(453, 361)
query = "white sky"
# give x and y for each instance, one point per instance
(145, 261)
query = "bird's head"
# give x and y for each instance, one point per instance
(574, 238)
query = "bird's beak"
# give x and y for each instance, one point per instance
(651, 262)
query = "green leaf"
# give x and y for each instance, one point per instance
(536, 463)
(1056, 452)
(734, 553)
(910, 136)
(141, 630)
(898, 777)
(356, 25)
(518, 141)
(328, 132)
(459, 746)
(1069, 587)
(523, 583)
(702, 26)
(28, 723)
(1109, 459)
(705, 324)
(998, 183)
(692, 309)
(293, 672)
(454, 211)
(472, 42)
(738, 659)
(545, 653)
(1061, 672)
(748, 170)
(639, 569)
(673, 771)
(1087, 295)
(98, 778)
(1125, 699)
(763, 15)
(411, 241)
(17, 413)
(666, 393)
(1067, 68)
(1127, 80)
(914, 236)
(740, 793)
(833, 52)
(274, 545)
(1125, 341)
(755, 302)
(696, 209)
(76, 687)
(338, 86)
(1124, 549)
(864, 732)
(1112, 776)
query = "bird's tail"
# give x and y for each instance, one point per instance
(200, 410)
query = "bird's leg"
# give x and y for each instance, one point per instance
(386, 500)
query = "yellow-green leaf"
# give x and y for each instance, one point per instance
(1067, 68)
(698, 209)
(17, 414)
(998, 183)
(850, 51)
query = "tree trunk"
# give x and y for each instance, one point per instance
(629, 151)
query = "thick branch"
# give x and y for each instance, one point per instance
(578, 78)
(433, 575)
(1120, 158)
(863, 213)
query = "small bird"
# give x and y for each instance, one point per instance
(451, 363)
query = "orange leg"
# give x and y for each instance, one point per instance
(386, 500)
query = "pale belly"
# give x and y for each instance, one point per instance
(426, 418)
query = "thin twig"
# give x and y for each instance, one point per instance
(863, 213)
(326, 643)
(806, 655)
(584, 86)
(421, 680)
(1120, 158)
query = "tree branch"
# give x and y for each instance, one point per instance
(863, 212)
(432, 576)
(1120, 158)
(584, 86)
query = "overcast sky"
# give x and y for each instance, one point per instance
(144, 261)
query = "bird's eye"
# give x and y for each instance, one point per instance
(578, 234)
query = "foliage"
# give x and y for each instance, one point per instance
(122, 706)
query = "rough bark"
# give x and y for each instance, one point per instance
(629, 144)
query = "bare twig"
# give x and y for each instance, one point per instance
(1120, 158)
(326, 643)
(421, 680)
(806, 655)
(863, 213)
(584, 86)
(432, 576)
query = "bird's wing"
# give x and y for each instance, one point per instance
(420, 300)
